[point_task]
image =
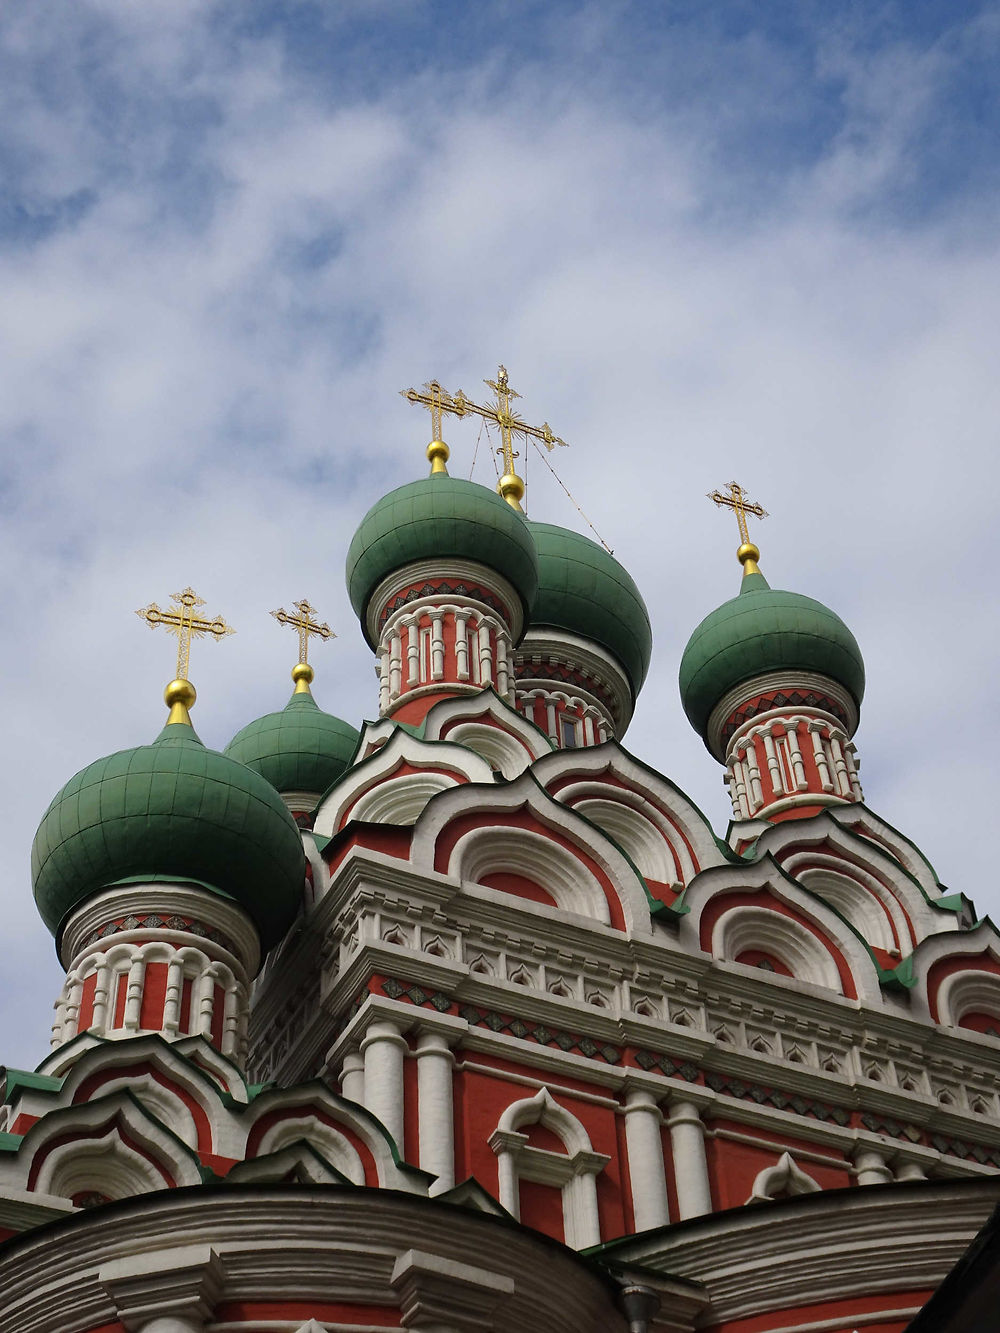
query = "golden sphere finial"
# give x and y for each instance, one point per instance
(303, 671)
(180, 692)
(748, 555)
(438, 454)
(511, 488)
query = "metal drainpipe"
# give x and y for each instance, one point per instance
(639, 1305)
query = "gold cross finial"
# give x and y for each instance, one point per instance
(510, 485)
(302, 672)
(183, 620)
(736, 499)
(438, 401)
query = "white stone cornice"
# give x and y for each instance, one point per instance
(182, 1283)
(335, 1243)
(166, 899)
(438, 571)
(807, 681)
(821, 1247)
(545, 644)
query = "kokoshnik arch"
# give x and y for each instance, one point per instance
(468, 1019)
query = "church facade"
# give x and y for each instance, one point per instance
(469, 1020)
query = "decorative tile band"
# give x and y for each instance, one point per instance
(517, 1027)
(781, 699)
(438, 589)
(156, 921)
(754, 1092)
(671, 1067)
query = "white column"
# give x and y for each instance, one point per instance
(461, 646)
(510, 1194)
(819, 753)
(850, 754)
(436, 1109)
(910, 1171)
(741, 802)
(102, 988)
(502, 669)
(412, 651)
(172, 998)
(352, 1077)
(395, 664)
(871, 1168)
(231, 1018)
(795, 755)
(133, 995)
(581, 1219)
(773, 766)
(485, 654)
(645, 1160)
(755, 791)
(687, 1147)
(437, 646)
(203, 1003)
(383, 678)
(384, 1051)
(840, 765)
(588, 729)
(550, 719)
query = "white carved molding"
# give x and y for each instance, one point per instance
(785, 1178)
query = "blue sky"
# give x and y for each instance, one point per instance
(750, 240)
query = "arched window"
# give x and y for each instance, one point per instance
(573, 1171)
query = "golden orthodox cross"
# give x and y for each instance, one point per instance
(184, 621)
(437, 400)
(737, 501)
(510, 423)
(306, 626)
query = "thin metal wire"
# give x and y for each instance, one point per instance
(527, 492)
(475, 452)
(571, 499)
(493, 452)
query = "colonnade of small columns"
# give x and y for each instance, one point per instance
(569, 721)
(165, 958)
(373, 1075)
(781, 761)
(153, 987)
(442, 644)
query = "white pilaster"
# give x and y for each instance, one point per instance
(437, 646)
(352, 1077)
(819, 753)
(436, 1109)
(461, 645)
(687, 1146)
(645, 1160)
(795, 755)
(871, 1167)
(384, 1050)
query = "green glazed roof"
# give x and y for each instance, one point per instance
(172, 810)
(764, 629)
(434, 518)
(299, 749)
(584, 590)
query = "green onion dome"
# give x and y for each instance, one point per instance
(584, 590)
(173, 811)
(300, 749)
(440, 517)
(764, 630)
